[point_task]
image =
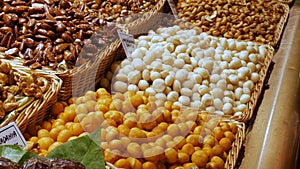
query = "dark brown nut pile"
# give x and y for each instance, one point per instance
(45, 33)
(15, 85)
(37, 163)
(254, 20)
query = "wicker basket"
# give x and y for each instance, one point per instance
(233, 154)
(279, 27)
(83, 78)
(38, 109)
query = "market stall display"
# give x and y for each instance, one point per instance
(186, 96)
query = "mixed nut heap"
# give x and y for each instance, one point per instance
(253, 20)
(47, 32)
(18, 88)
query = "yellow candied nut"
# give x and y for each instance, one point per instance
(57, 108)
(45, 142)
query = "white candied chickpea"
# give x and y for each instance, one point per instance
(217, 93)
(159, 85)
(222, 84)
(231, 44)
(188, 67)
(143, 84)
(132, 87)
(197, 53)
(180, 48)
(125, 62)
(188, 83)
(138, 64)
(154, 75)
(121, 77)
(253, 58)
(210, 52)
(233, 79)
(203, 89)
(262, 50)
(202, 71)
(195, 96)
(218, 104)
(235, 63)
(197, 104)
(255, 77)
(249, 84)
(207, 99)
(120, 86)
(177, 86)
(214, 78)
(186, 92)
(156, 39)
(150, 91)
(210, 109)
(227, 108)
(146, 74)
(245, 98)
(156, 65)
(173, 96)
(241, 46)
(169, 80)
(251, 66)
(238, 92)
(126, 69)
(185, 57)
(134, 77)
(181, 75)
(178, 63)
(184, 100)
(137, 53)
(161, 96)
(227, 56)
(168, 59)
(208, 64)
(243, 55)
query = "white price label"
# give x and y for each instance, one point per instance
(173, 8)
(11, 135)
(127, 42)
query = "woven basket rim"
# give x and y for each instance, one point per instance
(39, 105)
(280, 26)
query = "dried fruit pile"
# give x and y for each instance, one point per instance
(45, 33)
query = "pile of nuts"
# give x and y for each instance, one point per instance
(136, 133)
(218, 75)
(255, 20)
(45, 33)
(16, 85)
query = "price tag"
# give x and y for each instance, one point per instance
(11, 135)
(173, 8)
(127, 42)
